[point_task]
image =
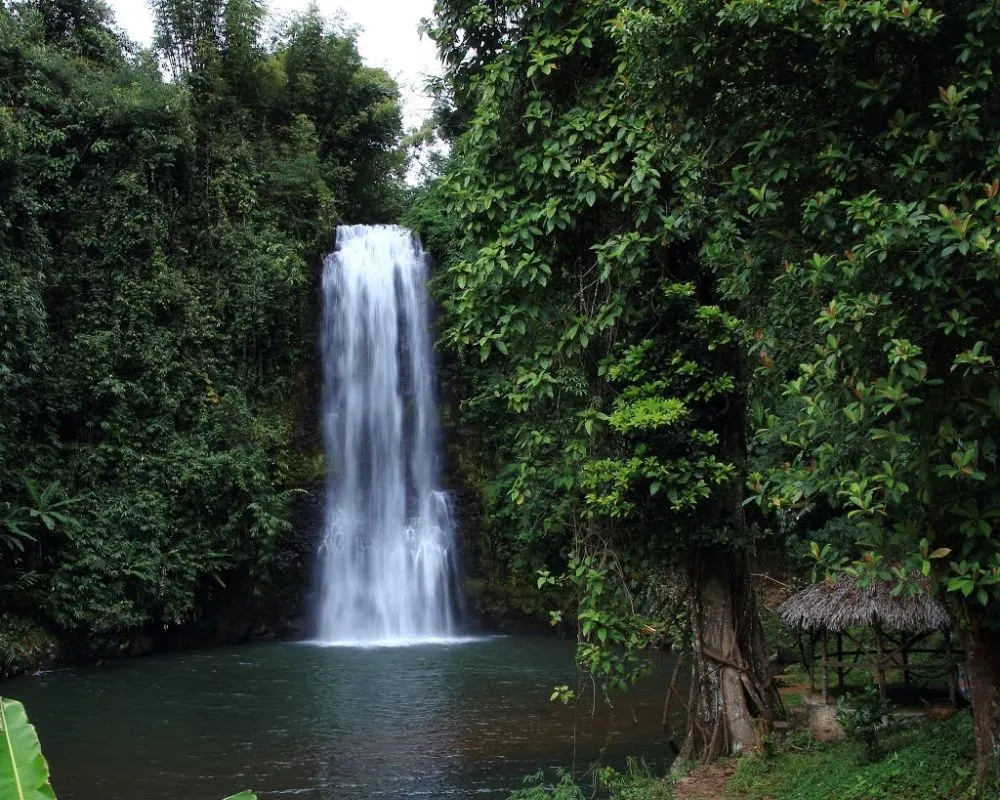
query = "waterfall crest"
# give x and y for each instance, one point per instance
(387, 568)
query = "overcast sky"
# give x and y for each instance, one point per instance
(389, 37)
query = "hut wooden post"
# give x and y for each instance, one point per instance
(880, 661)
(824, 654)
(906, 665)
(812, 660)
(840, 660)
(950, 664)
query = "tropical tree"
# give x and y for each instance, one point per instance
(597, 359)
(847, 154)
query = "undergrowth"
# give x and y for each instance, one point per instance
(926, 760)
(931, 761)
(636, 782)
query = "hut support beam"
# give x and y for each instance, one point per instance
(809, 661)
(952, 678)
(840, 660)
(825, 655)
(880, 662)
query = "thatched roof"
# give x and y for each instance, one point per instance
(843, 604)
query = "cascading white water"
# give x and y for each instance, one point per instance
(386, 563)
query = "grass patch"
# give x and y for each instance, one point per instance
(793, 699)
(645, 789)
(929, 760)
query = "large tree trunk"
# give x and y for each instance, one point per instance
(733, 701)
(983, 647)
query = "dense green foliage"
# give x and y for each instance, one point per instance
(860, 237)
(598, 365)
(851, 178)
(158, 247)
(676, 222)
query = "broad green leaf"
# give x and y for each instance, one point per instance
(24, 774)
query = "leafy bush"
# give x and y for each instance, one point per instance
(636, 782)
(863, 716)
(537, 788)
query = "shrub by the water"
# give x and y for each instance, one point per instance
(24, 644)
(635, 782)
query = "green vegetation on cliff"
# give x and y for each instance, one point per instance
(159, 241)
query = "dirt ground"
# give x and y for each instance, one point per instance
(705, 783)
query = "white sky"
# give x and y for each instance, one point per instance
(389, 38)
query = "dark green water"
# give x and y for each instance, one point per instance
(296, 721)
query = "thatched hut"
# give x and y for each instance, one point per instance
(899, 623)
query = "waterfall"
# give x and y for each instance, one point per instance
(386, 563)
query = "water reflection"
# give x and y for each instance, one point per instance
(324, 723)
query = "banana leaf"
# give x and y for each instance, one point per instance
(24, 774)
